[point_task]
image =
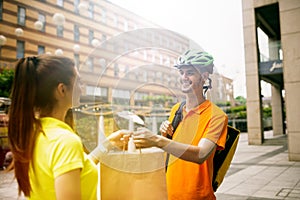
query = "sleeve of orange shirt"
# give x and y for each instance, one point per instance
(217, 129)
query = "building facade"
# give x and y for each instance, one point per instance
(271, 41)
(121, 56)
(125, 61)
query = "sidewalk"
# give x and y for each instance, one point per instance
(261, 172)
(257, 173)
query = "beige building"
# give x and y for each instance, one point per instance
(122, 57)
(126, 62)
(271, 39)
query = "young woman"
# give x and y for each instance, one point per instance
(48, 157)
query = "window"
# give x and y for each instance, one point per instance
(116, 70)
(125, 25)
(91, 36)
(60, 31)
(126, 71)
(1, 9)
(120, 97)
(76, 60)
(115, 19)
(145, 76)
(96, 91)
(42, 19)
(76, 3)
(91, 10)
(76, 33)
(20, 49)
(118, 93)
(60, 3)
(41, 49)
(21, 16)
(103, 15)
(90, 64)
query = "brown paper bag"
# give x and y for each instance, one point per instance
(133, 176)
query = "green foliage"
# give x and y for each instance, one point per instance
(241, 100)
(267, 112)
(238, 112)
(222, 104)
(6, 80)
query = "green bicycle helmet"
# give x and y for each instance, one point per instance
(197, 58)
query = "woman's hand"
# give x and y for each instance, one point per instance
(116, 140)
(119, 138)
(166, 128)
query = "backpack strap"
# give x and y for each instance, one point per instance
(177, 118)
(175, 122)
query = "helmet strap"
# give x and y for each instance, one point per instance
(206, 87)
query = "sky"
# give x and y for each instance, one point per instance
(215, 25)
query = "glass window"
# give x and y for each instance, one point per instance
(116, 70)
(42, 19)
(60, 31)
(96, 91)
(125, 25)
(104, 38)
(60, 3)
(91, 10)
(41, 49)
(1, 9)
(103, 15)
(145, 76)
(115, 19)
(91, 36)
(76, 33)
(76, 3)
(76, 60)
(90, 64)
(20, 49)
(118, 93)
(21, 16)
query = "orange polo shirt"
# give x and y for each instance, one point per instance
(187, 180)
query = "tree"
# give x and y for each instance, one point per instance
(6, 80)
(240, 100)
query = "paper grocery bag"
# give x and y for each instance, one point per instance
(133, 176)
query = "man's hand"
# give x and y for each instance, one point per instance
(166, 128)
(144, 138)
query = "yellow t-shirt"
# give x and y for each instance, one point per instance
(187, 180)
(56, 152)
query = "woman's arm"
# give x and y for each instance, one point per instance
(67, 186)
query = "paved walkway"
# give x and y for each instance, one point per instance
(257, 173)
(261, 172)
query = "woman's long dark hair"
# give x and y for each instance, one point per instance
(33, 89)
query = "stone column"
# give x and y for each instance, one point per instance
(254, 119)
(290, 40)
(131, 100)
(277, 119)
(109, 95)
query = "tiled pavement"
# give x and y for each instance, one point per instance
(260, 172)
